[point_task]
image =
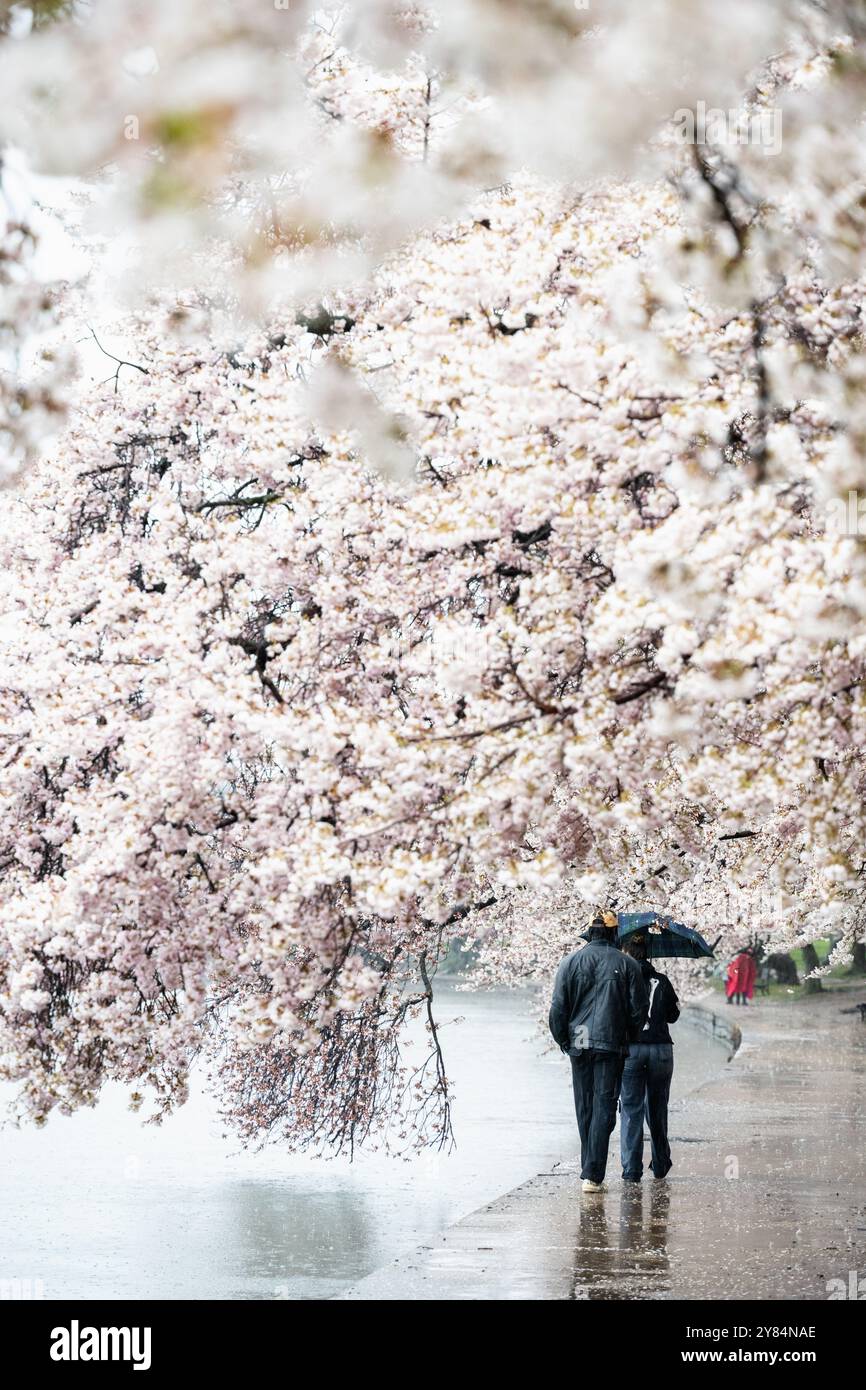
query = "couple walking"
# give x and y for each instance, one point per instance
(610, 1013)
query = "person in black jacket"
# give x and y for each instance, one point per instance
(646, 1078)
(600, 1002)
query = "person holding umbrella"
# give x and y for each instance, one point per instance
(649, 1065)
(646, 1078)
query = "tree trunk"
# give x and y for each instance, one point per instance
(858, 964)
(810, 961)
(784, 968)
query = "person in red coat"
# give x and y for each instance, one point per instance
(742, 972)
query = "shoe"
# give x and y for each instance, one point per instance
(590, 1186)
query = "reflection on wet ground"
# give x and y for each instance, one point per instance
(632, 1248)
(766, 1199)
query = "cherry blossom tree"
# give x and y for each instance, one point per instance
(454, 544)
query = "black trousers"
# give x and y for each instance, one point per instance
(596, 1078)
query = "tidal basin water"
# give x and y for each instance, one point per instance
(97, 1205)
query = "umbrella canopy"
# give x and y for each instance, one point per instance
(663, 936)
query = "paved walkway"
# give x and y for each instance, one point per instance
(766, 1199)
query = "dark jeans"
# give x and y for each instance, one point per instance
(646, 1085)
(595, 1076)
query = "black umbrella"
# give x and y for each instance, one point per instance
(662, 935)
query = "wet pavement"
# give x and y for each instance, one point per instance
(766, 1198)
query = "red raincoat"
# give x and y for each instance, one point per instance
(741, 975)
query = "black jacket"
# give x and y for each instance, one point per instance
(600, 998)
(664, 1006)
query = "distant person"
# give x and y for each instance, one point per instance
(740, 984)
(600, 1002)
(646, 1077)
